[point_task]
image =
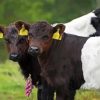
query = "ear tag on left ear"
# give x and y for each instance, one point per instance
(23, 31)
(1, 35)
(57, 35)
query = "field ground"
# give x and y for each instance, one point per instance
(12, 85)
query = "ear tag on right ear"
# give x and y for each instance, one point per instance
(57, 35)
(1, 35)
(23, 31)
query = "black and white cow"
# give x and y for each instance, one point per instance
(91, 50)
(88, 26)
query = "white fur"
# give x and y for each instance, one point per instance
(90, 52)
(91, 63)
(81, 26)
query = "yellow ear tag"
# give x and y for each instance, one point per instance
(57, 35)
(1, 35)
(23, 31)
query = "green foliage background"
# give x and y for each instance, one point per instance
(51, 10)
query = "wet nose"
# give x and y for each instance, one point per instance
(33, 50)
(14, 57)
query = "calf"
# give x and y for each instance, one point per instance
(59, 55)
(17, 48)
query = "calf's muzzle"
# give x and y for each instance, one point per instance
(14, 57)
(33, 50)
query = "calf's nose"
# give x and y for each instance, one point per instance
(33, 50)
(14, 57)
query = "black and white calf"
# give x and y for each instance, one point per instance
(88, 25)
(91, 49)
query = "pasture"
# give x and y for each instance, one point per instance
(12, 85)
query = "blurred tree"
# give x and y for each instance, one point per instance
(66, 10)
(98, 3)
(51, 10)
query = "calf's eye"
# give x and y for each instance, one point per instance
(45, 37)
(21, 40)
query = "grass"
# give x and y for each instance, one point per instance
(12, 85)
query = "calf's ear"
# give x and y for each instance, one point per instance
(58, 31)
(23, 27)
(1, 31)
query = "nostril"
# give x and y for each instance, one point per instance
(37, 50)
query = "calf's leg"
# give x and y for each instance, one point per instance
(63, 94)
(47, 92)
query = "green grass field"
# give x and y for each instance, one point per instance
(12, 85)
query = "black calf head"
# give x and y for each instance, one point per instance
(95, 21)
(16, 42)
(41, 35)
